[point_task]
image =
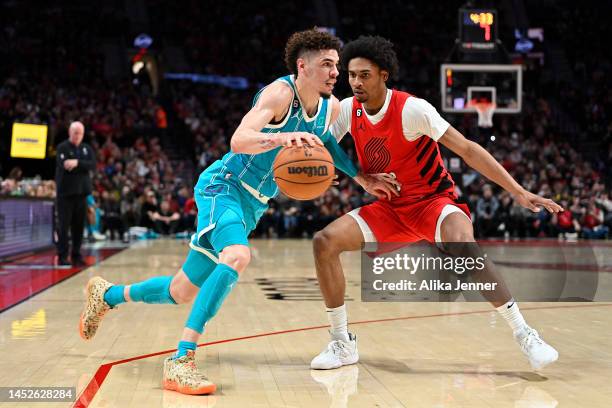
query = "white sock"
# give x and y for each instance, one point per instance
(510, 311)
(339, 324)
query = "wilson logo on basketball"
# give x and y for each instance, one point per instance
(310, 171)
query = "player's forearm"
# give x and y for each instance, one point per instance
(360, 179)
(248, 141)
(341, 160)
(480, 160)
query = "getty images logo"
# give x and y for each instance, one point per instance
(310, 171)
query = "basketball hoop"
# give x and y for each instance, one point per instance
(485, 112)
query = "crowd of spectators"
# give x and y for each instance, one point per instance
(56, 76)
(123, 127)
(137, 185)
(566, 165)
(552, 165)
(16, 186)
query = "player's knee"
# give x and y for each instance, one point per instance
(181, 290)
(181, 296)
(457, 228)
(323, 243)
(237, 257)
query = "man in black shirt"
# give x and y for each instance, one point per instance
(166, 220)
(75, 160)
(148, 209)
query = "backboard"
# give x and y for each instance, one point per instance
(462, 83)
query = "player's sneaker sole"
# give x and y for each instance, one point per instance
(174, 386)
(334, 366)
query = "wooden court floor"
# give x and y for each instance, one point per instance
(260, 344)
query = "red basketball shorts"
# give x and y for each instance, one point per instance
(383, 221)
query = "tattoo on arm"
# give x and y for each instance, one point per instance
(266, 143)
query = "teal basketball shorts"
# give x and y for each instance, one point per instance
(227, 213)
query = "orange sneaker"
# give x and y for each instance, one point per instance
(95, 307)
(182, 375)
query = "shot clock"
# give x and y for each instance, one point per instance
(477, 29)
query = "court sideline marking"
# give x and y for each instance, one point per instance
(90, 391)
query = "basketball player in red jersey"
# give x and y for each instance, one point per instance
(397, 133)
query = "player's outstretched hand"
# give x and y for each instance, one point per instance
(389, 178)
(288, 139)
(381, 185)
(534, 202)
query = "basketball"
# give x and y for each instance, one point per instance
(303, 173)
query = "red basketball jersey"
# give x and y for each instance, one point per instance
(383, 148)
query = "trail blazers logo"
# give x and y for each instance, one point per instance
(377, 155)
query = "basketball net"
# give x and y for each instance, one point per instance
(485, 113)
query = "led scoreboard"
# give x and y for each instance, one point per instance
(477, 29)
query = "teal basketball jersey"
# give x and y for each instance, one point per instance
(256, 169)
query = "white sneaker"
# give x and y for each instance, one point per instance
(539, 353)
(337, 354)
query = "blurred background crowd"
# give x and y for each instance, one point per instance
(152, 140)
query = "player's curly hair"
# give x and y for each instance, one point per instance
(305, 41)
(374, 48)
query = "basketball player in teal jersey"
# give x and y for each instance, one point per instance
(231, 196)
